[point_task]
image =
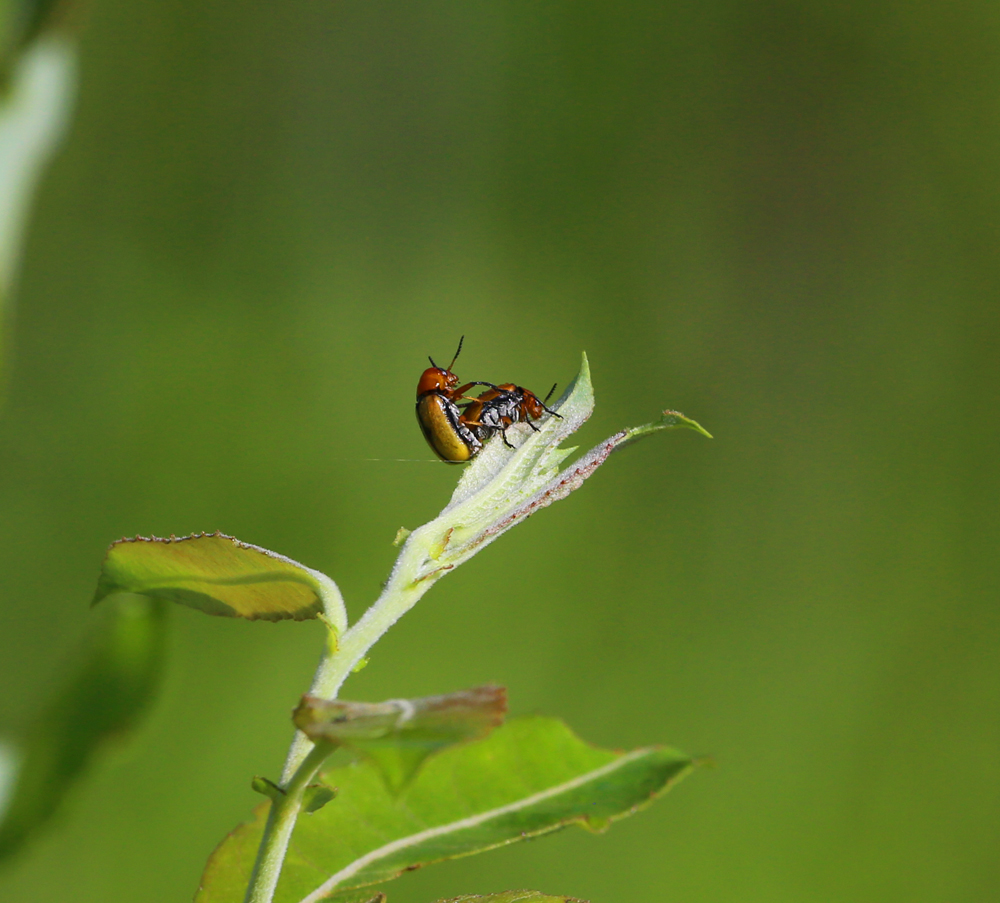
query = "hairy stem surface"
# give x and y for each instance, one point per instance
(280, 823)
(404, 589)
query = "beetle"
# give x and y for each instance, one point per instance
(439, 416)
(502, 406)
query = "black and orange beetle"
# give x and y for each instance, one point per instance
(439, 416)
(502, 406)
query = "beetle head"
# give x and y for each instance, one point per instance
(435, 378)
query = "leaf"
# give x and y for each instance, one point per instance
(502, 487)
(9, 761)
(220, 575)
(363, 896)
(103, 698)
(317, 796)
(513, 896)
(530, 777)
(266, 787)
(400, 734)
(37, 87)
(498, 490)
(21, 23)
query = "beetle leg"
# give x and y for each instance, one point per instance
(503, 435)
(460, 392)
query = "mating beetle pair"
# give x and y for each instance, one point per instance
(457, 432)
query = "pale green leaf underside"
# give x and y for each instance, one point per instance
(529, 777)
(503, 486)
(219, 575)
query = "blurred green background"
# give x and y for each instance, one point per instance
(780, 218)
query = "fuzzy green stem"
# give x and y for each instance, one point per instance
(500, 489)
(401, 593)
(280, 822)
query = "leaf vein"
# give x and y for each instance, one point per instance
(472, 821)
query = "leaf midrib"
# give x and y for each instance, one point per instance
(471, 821)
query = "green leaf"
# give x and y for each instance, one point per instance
(503, 486)
(266, 787)
(317, 796)
(362, 896)
(668, 419)
(220, 575)
(530, 777)
(109, 690)
(9, 762)
(37, 87)
(21, 21)
(400, 734)
(513, 896)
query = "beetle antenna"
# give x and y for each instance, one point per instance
(457, 353)
(455, 358)
(547, 397)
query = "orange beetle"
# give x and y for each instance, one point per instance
(502, 406)
(439, 415)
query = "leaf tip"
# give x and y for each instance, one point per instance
(583, 377)
(676, 418)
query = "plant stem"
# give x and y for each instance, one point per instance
(497, 491)
(401, 593)
(280, 822)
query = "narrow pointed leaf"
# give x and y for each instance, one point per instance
(400, 734)
(104, 696)
(503, 486)
(530, 777)
(220, 575)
